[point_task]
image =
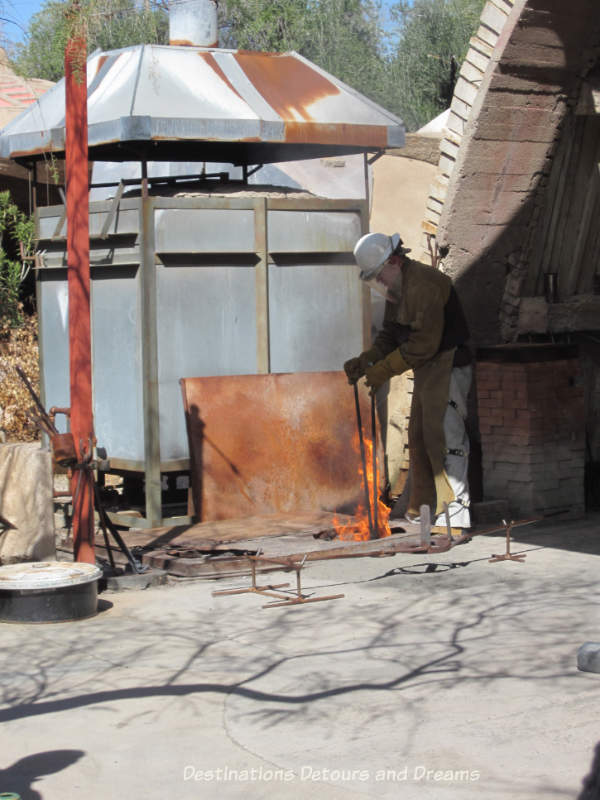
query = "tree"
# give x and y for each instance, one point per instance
(110, 24)
(433, 39)
(413, 77)
(17, 232)
(344, 37)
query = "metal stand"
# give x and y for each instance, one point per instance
(267, 591)
(508, 556)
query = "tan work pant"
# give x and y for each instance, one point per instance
(429, 483)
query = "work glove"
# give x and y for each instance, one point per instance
(382, 371)
(355, 368)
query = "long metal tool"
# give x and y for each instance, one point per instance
(363, 459)
(375, 531)
(43, 418)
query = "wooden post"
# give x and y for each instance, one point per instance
(78, 246)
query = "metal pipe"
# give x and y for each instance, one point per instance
(193, 23)
(363, 459)
(78, 271)
(375, 531)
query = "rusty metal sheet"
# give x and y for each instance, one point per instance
(266, 444)
(246, 108)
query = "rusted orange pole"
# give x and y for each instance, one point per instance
(78, 259)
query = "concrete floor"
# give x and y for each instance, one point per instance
(434, 677)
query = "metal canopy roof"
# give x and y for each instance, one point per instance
(189, 103)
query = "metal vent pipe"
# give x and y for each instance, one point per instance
(193, 23)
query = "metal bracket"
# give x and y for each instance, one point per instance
(61, 222)
(113, 210)
(286, 564)
(508, 556)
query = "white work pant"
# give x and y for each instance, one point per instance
(456, 462)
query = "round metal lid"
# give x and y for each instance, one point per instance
(47, 575)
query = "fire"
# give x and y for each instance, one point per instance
(359, 529)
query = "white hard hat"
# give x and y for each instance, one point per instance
(372, 251)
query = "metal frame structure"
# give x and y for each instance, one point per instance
(112, 226)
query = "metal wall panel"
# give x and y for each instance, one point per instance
(204, 230)
(206, 326)
(315, 316)
(309, 231)
(116, 357)
(53, 311)
(103, 252)
(125, 221)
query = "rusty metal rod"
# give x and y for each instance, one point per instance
(363, 458)
(375, 531)
(43, 413)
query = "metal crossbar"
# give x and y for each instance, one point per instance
(286, 564)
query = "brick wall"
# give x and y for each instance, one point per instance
(532, 426)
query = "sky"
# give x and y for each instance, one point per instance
(19, 13)
(15, 16)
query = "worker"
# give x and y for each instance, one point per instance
(424, 329)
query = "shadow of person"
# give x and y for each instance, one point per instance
(19, 777)
(591, 782)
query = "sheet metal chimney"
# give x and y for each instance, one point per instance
(193, 23)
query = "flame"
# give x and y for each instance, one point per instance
(358, 530)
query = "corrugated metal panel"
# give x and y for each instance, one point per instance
(158, 95)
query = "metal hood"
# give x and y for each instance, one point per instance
(153, 102)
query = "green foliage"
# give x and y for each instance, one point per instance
(18, 230)
(410, 71)
(344, 37)
(433, 39)
(111, 24)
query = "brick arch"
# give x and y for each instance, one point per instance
(492, 169)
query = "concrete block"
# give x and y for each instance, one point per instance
(453, 137)
(465, 91)
(456, 124)
(478, 62)
(554, 83)
(526, 54)
(26, 503)
(507, 157)
(482, 47)
(439, 188)
(487, 35)
(435, 205)
(493, 17)
(433, 217)
(460, 108)
(507, 205)
(446, 164)
(471, 73)
(449, 148)
(518, 123)
(504, 5)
